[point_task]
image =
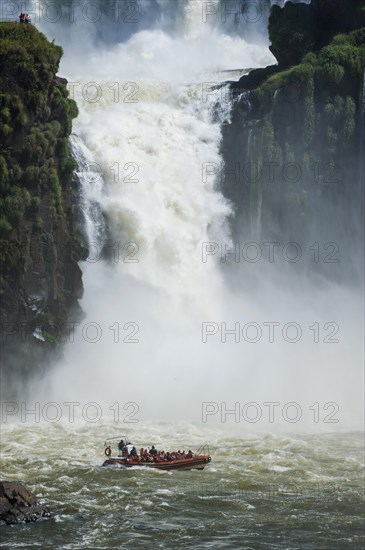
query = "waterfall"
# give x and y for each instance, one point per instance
(154, 128)
(245, 98)
(258, 216)
(275, 96)
(151, 104)
(255, 194)
(362, 132)
(141, 146)
(151, 155)
(91, 188)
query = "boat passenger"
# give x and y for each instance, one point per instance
(129, 447)
(125, 451)
(121, 445)
(153, 451)
(189, 454)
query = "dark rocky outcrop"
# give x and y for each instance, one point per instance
(253, 79)
(300, 28)
(294, 150)
(40, 281)
(18, 505)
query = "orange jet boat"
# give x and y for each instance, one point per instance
(154, 459)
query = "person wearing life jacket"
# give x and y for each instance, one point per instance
(127, 449)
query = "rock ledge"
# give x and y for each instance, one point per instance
(18, 505)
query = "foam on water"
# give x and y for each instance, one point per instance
(296, 478)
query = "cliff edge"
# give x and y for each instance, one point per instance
(40, 280)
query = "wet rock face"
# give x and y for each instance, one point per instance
(18, 505)
(40, 279)
(321, 119)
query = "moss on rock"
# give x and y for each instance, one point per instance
(40, 277)
(303, 119)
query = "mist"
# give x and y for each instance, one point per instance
(168, 350)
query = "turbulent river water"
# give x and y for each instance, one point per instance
(260, 491)
(150, 117)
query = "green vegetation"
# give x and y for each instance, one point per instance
(41, 281)
(35, 122)
(315, 102)
(307, 115)
(50, 338)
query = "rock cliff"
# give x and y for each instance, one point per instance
(294, 150)
(41, 281)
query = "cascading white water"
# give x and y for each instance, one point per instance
(152, 138)
(91, 190)
(142, 355)
(151, 154)
(153, 123)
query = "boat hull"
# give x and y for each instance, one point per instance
(195, 463)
